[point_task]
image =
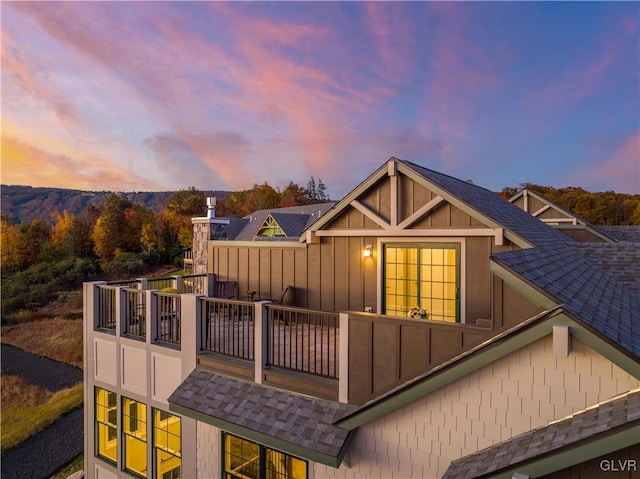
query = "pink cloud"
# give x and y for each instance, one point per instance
(19, 160)
(32, 79)
(620, 169)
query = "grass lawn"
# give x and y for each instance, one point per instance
(21, 422)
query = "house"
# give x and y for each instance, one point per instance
(424, 327)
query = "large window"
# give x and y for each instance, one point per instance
(106, 424)
(167, 437)
(425, 275)
(247, 460)
(134, 423)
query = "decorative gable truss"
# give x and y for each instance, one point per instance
(396, 201)
(270, 228)
(549, 212)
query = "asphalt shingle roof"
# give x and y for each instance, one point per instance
(592, 293)
(493, 206)
(621, 233)
(620, 412)
(294, 220)
(299, 420)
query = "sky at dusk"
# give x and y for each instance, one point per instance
(131, 96)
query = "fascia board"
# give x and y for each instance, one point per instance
(264, 439)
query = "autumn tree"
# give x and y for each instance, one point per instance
(120, 226)
(71, 236)
(190, 202)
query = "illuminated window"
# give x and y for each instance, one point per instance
(247, 460)
(134, 424)
(270, 228)
(423, 275)
(167, 437)
(106, 424)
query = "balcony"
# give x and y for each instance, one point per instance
(348, 356)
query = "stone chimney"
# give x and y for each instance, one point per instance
(202, 234)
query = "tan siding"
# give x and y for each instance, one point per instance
(459, 218)
(478, 279)
(265, 278)
(551, 213)
(327, 276)
(406, 204)
(441, 217)
(519, 202)
(300, 277)
(495, 403)
(355, 219)
(535, 204)
(355, 279)
(313, 276)
(288, 273)
(342, 266)
(253, 272)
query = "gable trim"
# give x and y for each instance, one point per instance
(391, 168)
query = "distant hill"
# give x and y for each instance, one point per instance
(22, 204)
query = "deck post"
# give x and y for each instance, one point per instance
(191, 329)
(260, 340)
(343, 372)
(151, 314)
(121, 311)
(177, 283)
(143, 283)
(210, 283)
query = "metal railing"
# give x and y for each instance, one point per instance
(194, 283)
(168, 318)
(303, 340)
(228, 327)
(133, 283)
(135, 313)
(160, 283)
(106, 305)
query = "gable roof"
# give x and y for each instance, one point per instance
(292, 423)
(293, 220)
(483, 205)
(592, 294)
(585, 435)
(490, 205)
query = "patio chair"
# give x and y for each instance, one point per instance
(225, 289)
(278, 314)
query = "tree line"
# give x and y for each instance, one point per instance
(119, 239)
(606, 208)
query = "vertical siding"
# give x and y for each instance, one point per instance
(356, 275)
(341, 280)
(478, 279)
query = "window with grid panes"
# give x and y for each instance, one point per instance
(167, 442)
(134, 424)
(106, 417)
(423, 275)
(248, 460)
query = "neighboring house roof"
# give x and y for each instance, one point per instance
(629, 233)
(621, 260)
(591, 293)
(292, 423)
(293, 220)
(585, 435)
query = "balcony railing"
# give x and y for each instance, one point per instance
(106, 306)
(167, 318)
(228, 327)
(303, 340)
(135, 313)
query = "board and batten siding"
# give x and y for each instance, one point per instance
(331, 275)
